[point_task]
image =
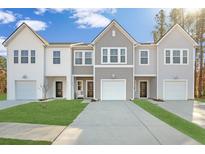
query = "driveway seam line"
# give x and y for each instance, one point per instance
(143, 124)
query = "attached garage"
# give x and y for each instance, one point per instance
(175, 90)
(25, 90)
(113, 89)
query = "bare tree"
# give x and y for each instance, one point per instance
(45, 88)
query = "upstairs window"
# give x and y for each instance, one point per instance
(83, 58)
(144, 57)
(185, 57)
(176, 56)
(122, 55)
(168, 56)
(88, 58)
(105, 56)
(56, 57)
(33, 56)
(24, 56)
(113, 55)
(16, 56)
(78, 58)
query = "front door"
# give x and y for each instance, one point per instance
(143, 88)
(59, 89)
(89, 88)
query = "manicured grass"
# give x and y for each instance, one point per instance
(201, 100)
(2, 96)
(5, 141)
(173, 120)
(56, 112)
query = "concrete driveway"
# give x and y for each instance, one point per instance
(188, 110)
(119, 122)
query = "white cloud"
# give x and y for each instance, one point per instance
(7, 17)
(85, 18)
(91, 18)
(41, 11)
(2, 48)
(36, 25)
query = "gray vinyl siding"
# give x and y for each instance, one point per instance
(84, 84)
(120, 40)
(152, 86)
(146, 69)
(120, 73)
(175, 40)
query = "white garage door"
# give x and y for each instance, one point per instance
(175, 90)
(113, 90)
(25, 90)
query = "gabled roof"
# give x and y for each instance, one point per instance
(23, 25)
(114, 22)
(182, 30)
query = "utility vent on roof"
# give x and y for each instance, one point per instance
(113, 33)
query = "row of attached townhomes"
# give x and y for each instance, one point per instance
(114, 66)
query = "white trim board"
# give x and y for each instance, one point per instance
(114, 66)
(145, 75)
(83, 75)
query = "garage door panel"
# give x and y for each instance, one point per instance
(175, 90)
(25, 90)
(113, 90)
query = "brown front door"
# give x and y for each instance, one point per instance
(89, 88)
(59, 89)
(143, 89)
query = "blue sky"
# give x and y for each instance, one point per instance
(77, 25)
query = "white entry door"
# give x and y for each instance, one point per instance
(113, 89)
(175, 90)
(25, 90)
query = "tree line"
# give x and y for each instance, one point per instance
(193, 21)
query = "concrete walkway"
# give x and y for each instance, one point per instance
(10, 103)
(188, 110)
(30, 131)
(119, 122)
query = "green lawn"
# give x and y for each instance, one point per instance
(56, 112)
(201, 100)
(173, 120)
(5, 141)
(2, 96)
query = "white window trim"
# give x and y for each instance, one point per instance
(56, 57)
(83, 57)
(140, 56)
(77, 84)
(119, 55)
(24, 56)
(171, 56)
(16, 56)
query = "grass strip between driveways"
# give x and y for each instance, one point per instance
(6, 141)
(186, 127)
(56, 112)
(2, 96)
